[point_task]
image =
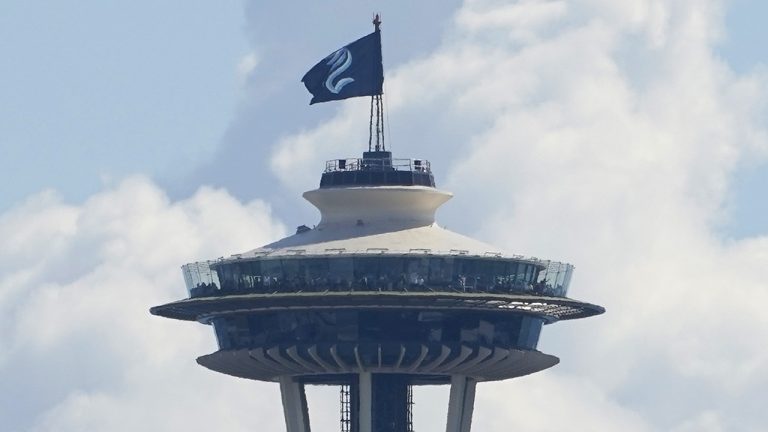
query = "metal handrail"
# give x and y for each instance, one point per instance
(376, 164)
(552, 280)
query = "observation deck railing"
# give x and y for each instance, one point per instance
(546, 278)
(200, 277)
(377, 171)
(378, 164)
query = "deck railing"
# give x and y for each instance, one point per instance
(384, 164)
(546, 278)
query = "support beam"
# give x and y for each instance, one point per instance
(294, 405)
(461, 403)
(365, 406)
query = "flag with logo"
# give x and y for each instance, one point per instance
(352, 70)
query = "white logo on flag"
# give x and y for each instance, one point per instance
(339, 61)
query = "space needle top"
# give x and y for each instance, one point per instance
(384, 207)
(377, 297)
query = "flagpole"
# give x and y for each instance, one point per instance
(370, 127)
(377, 101)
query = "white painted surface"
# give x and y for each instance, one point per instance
(384, 219)
(461, 404)
(413, 205)
(294, 405)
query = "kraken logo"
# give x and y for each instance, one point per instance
(339, 61)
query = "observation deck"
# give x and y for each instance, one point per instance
(377, 168)
(378, 278)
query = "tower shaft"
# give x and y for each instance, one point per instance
(377, 402)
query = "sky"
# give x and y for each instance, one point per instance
(628, 138)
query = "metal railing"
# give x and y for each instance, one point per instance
(200, 278)
(384, 164)
(551, 279)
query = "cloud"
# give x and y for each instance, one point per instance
(295, 158)
(517, 21)
(80, 350)
(606, 134)
(552, 402)
(246, 66)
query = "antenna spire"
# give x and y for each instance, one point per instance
(376, 128)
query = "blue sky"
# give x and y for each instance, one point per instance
(744, 50)
(630, 138)
(78, 81)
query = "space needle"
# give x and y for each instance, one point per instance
(377, 297)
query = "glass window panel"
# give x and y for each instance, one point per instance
(292, 274)
(439, 271)
(417, 272)
(567, 282)
(381, 272)
(271, 268)
(340, 273)
(560, 276)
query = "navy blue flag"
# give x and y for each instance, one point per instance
(353, 70)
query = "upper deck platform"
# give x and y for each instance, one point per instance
(377, 168)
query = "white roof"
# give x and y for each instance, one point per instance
(430, 239)
(378, 220)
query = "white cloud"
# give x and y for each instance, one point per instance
(706, 422)
(552, 402)
(246, 66)
(80, 350)
(295, 158)
(521, 21)
(606, 134)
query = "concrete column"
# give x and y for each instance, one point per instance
(365, 415)
(461, 403)
(294, 405)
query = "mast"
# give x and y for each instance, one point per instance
(376, 121)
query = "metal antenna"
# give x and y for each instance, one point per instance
(370, 125)
(378, 122)
(377, 100)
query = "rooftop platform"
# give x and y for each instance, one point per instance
(377, 168)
